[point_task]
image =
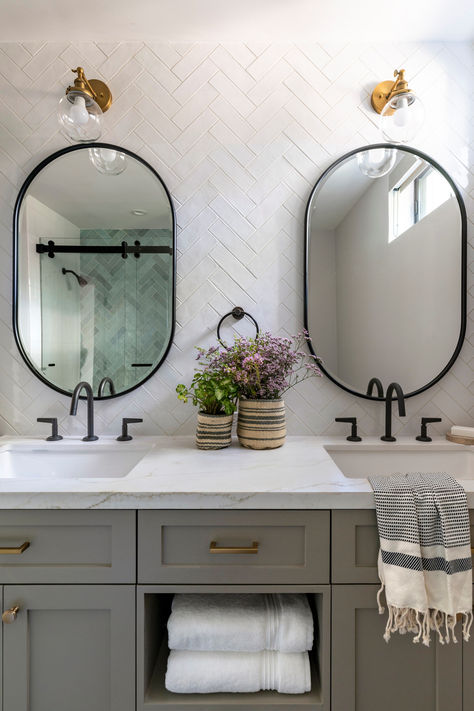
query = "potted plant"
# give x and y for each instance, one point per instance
(264, 368)
(215, 392)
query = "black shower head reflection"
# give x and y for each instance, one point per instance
(80, 279)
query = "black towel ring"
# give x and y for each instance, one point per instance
(238, 313)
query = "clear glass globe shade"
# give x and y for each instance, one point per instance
(401, 118)
(107, 160)
(376, 162)
(80, 117)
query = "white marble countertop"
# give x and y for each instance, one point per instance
(175, 474)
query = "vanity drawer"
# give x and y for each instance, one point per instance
(355, 546)
(68, 546)
(177, 546)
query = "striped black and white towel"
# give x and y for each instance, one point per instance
(424, 561)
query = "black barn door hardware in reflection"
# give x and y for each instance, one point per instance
(124, 249)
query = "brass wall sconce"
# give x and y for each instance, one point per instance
(80, 110)
(401, 111)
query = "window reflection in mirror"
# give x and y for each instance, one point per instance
(419, 191)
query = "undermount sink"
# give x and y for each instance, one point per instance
(69, 461)
(362, 461)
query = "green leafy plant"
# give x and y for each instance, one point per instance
(212, 390)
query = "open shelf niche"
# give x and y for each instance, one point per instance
(154, 605)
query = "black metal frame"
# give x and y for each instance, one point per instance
(462, 210)
(16, 215)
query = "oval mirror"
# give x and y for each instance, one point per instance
(94, 269)
(385, 277)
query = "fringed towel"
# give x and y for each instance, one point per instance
(424, 560)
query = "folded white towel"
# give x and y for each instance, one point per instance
(213, 672)
(246, 622)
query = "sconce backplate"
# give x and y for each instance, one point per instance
(103, 93)
(380, 93)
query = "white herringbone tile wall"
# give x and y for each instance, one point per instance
(239, 133)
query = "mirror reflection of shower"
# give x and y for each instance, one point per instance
(80, 279)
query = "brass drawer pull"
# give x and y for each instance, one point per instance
(7, 550)
(9, 616)
(214, 548)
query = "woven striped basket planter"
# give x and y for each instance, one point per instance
(213, 431)
(261, 423)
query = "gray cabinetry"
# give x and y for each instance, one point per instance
(468, 673)
(368, 674)
(213, 547)
(68, 546)
(153, 609)
(355, 545)
(1, 647)
(73, 644)
(71, 647)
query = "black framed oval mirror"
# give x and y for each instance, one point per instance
(94, 251)
(385, 270)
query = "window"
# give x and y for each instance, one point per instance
(431, 190)
(415, 197)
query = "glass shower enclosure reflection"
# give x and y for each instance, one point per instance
(94, 266)
(114, 313)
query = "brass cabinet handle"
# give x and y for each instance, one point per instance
(9, 616)
(17, 550)
(214, 548)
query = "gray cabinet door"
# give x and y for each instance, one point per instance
(355, 546)
(468, 673)
(1, 646)
(71, 647)
(369, 675)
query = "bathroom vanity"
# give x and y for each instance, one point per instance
(90, 596)
(95, 537)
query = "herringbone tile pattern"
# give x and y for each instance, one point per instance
(239, 133)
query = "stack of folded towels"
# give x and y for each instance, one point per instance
(239, 643)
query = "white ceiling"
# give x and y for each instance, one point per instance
(74, 189)
(227, 20)
(341, 191)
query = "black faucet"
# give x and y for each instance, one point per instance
(393, 387)
(91, 437)
(102, 385)
(378, 385)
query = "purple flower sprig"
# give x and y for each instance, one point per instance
(264, 367)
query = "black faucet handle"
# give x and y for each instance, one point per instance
(125, 437)
(353, 437)
(54, 437)
(425, 421)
